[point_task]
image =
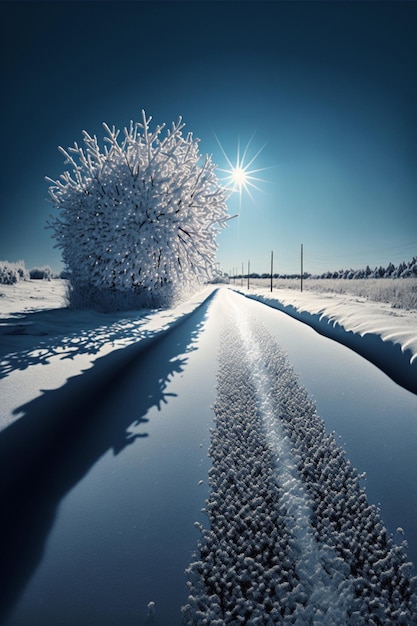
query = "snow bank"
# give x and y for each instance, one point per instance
(385, 336)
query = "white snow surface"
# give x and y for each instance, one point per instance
(43, 344)
(38, 332)
(385, 336)
(352, 313)
(275, 469)
(36, 328)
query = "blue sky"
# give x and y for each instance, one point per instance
(329, 88)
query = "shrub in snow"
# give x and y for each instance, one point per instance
(11, 273)
(138, 219)
(40, 273)
(8, 273)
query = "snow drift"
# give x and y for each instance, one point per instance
(384, 336)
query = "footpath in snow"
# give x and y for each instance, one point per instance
(385, 336)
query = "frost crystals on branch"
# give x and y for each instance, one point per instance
(138, 220)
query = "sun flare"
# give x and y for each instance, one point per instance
(239, 176)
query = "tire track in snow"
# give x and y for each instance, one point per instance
(291, 537)
(315, 568)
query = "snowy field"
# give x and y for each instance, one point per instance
(117, 430)
(399, 293)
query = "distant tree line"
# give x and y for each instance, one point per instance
(403, 270)
(11, 273)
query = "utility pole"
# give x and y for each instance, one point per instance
(272, 266)
(248, 272)
(302, 268)
(241, 278)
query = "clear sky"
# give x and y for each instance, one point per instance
(328, 88)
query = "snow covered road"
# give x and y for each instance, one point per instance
(291, 538)
(102, 522)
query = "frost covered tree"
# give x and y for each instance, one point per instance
(138, 219)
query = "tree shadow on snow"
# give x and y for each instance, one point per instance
(63, 433)
(34, 338)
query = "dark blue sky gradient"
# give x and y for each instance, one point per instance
(329, 87)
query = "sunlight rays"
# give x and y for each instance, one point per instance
(239, 175)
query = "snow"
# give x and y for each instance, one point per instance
(104, 473)
(31, 295)
(56, 363)
(385, 336)
(275, 469)
(57, 343)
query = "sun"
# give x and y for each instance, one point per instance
(240, 176)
